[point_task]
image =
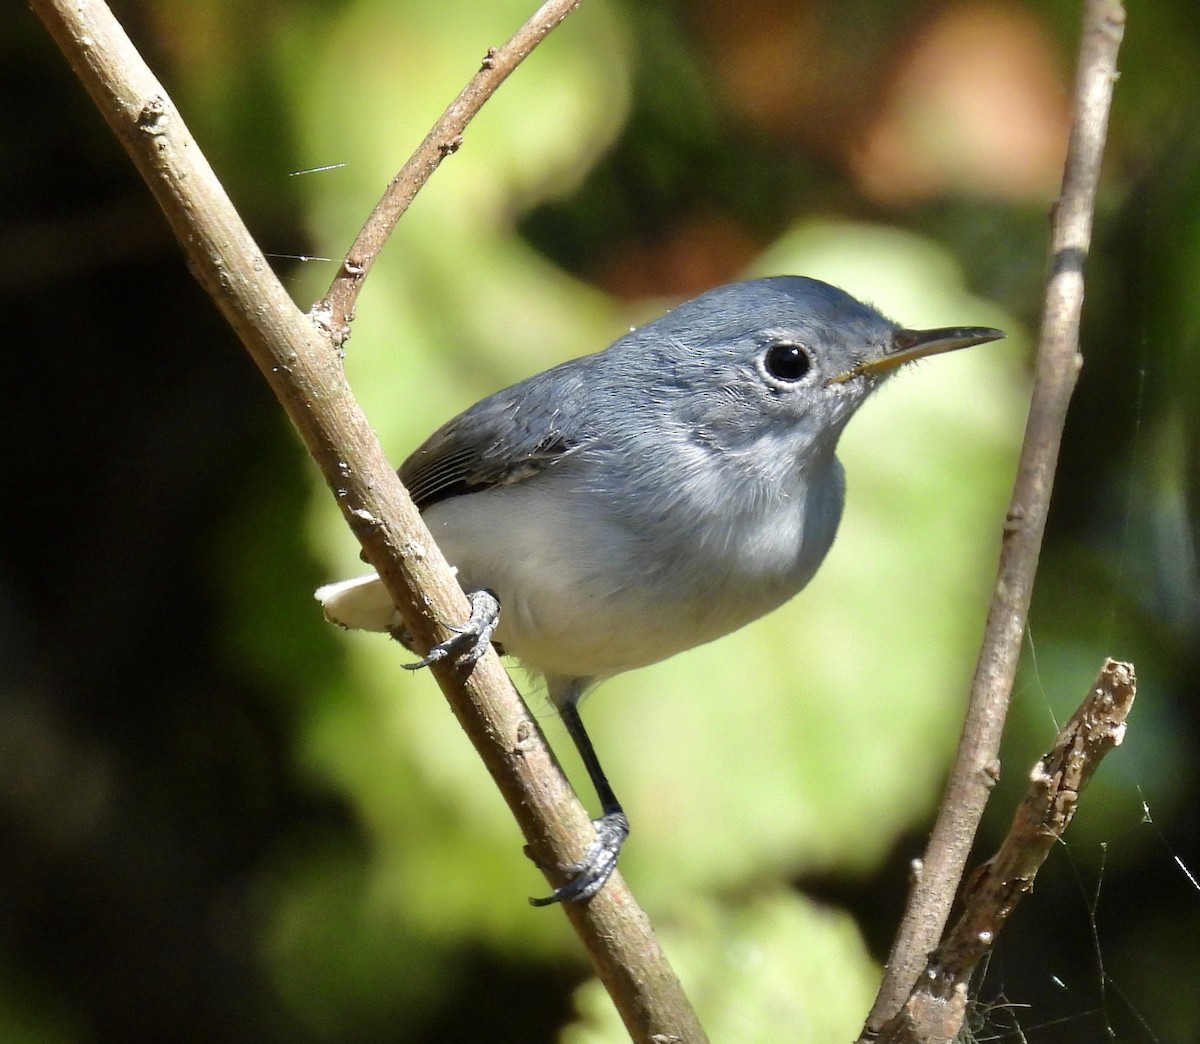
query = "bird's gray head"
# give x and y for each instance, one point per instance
(771, 366)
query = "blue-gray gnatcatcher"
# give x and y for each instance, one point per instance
(664, 492)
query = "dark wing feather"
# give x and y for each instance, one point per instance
(506, 438)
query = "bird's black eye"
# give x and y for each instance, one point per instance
(787, 362)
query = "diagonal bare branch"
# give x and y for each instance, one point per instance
(336, 310)
(299, 361)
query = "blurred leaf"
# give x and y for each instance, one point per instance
(778, 968)
(343, 962)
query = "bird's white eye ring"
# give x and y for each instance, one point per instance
(787, 362)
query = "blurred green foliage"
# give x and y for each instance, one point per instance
(226, 821)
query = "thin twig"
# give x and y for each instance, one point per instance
(304, 371)
(934, 1011)
(336, 310)
(976, 764)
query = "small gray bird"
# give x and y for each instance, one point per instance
(622, 507)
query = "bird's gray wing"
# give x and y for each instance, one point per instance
(507, 437)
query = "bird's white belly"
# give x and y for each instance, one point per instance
(584, 595)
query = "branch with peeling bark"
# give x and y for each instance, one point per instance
(977, 761)
(298, 359)
(935, 1010)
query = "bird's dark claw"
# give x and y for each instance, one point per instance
(470, 640)
(587, 876)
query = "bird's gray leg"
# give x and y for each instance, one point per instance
(587, 876)
(470, 640)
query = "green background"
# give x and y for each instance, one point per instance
(222, 819)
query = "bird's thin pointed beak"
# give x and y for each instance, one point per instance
(908, 345)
